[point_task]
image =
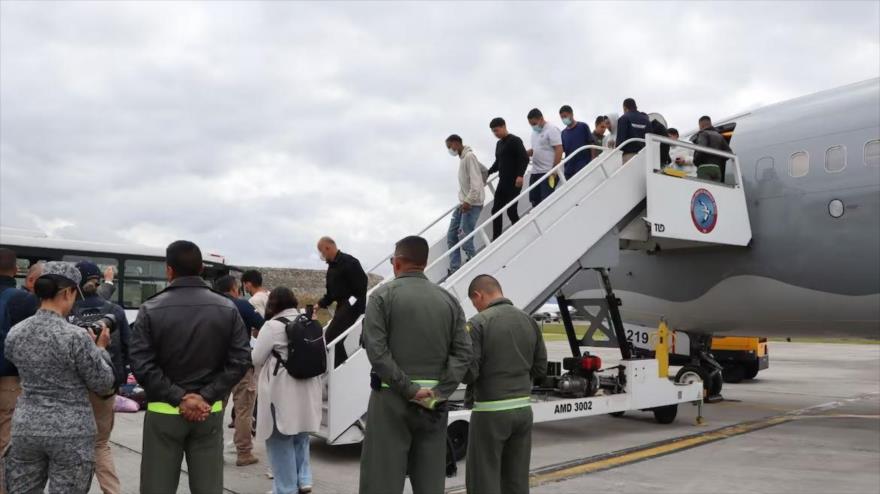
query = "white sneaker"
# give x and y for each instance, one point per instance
(269, 473)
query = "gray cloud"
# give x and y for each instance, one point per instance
(254, 128)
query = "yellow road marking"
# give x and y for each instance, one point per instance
(659, 450)
(604, 462)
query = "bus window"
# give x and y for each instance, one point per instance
(141, 280)
(102, 262)
(21, 269)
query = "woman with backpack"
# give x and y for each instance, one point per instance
(288, 409)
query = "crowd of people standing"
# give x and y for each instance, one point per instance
(193, 347)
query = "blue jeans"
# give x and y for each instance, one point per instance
(540, 192)
(462, 224)
(289, 456)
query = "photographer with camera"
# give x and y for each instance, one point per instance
(90, 309)
(53, 427)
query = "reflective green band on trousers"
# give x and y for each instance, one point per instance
(168, 409)
(425, 383)
(501, 405)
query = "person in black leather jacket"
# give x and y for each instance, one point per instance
(189, 348)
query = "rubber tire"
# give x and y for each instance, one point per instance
(665, 415)
(716, 384)
(694, 369)
(617, 414)
(734, 373)
(751, 371)
(458, 436)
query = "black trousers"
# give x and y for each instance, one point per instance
(343, 318)
(502, 197)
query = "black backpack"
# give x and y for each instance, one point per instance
(306, 348)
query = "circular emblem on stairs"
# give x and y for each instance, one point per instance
(704, 211)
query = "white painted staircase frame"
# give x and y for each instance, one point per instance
(528, 258)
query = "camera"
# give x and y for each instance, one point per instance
(97, 322)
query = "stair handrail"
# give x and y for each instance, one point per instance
(479, 228)
(493, 178)
(331, 346)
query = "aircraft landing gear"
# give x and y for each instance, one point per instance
(703, 366)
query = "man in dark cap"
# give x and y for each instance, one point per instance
(93, 304)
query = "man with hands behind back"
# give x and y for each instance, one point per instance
(189, 348)
(414, 335)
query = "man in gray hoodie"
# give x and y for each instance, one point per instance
(471, 181)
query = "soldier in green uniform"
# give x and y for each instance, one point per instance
(414, 335)
(509, 354)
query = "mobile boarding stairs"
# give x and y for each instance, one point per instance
(580, 226)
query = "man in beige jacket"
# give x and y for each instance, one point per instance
(471, 181)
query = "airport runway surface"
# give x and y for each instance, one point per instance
(808, 424)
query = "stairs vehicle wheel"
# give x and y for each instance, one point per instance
(733, 374)
(665, 415)
(691, 374)
(457, 432)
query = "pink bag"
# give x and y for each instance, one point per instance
(125, 405)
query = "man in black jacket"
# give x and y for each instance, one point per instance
(632, 124)
(511, 160)
(710, 166)
(93, 304)
(347, 286)
(189, 348)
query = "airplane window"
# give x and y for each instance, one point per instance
(872, 153)
(835, 159)
(764, 168)
(799, 164)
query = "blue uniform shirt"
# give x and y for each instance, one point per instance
(572, 139)
(252, 319)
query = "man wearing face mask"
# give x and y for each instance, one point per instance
(511, 161)
(471, 181)
(574, 136)
(546, 153)
(347, 286)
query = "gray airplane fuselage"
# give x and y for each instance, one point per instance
(806, 272)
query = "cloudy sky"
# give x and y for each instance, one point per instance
(254, 128)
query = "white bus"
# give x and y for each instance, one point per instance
(140, 271)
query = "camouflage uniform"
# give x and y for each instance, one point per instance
(53, 428)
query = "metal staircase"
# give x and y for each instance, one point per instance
(553, 241)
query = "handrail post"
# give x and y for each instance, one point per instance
(484, 236)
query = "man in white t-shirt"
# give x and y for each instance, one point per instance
(252, 281)
(546, 153)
